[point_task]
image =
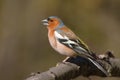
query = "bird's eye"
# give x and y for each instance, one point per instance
(51, 20)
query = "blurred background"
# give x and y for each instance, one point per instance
(24, 46)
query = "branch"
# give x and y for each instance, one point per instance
(78, 66)
(57, 73)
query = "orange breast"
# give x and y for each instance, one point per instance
(62, 49)
(51, 38)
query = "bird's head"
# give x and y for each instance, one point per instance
(53, 22)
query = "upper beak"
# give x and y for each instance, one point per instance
(45, 22)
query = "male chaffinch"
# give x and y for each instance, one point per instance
(64, 41)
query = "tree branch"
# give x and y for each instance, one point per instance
(78, 66)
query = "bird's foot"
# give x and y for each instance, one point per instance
(65, 59)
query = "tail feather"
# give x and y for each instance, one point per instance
(89, 55)
(99, 66)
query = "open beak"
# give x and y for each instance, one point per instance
(45, 22)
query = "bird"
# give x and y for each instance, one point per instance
(66, 42)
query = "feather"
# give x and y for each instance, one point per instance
(99, 66)
(80, 49)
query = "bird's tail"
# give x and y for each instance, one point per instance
(86, 53)
(98, 66)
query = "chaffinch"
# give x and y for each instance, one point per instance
(64, 41)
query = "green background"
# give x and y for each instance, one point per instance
(24, 46)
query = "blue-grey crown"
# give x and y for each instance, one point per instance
(61, 22)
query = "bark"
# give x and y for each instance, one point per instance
(74, 67)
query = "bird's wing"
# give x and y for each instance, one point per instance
(69, 39)
(78, 46)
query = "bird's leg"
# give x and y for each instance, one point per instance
(65, 59)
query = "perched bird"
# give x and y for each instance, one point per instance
(64, 41)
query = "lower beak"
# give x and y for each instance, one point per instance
(45, 22)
